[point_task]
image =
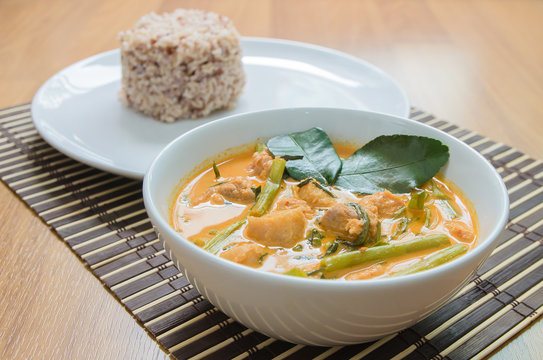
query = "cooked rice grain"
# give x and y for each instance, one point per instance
(181, 65)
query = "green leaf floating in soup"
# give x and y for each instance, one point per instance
(396, 163)
(312, 153)
(303, 206)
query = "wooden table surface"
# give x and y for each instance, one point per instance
(477, 63)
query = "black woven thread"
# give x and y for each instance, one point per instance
(136, 249)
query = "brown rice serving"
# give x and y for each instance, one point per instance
(180, 65)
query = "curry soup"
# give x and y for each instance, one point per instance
(320, 231)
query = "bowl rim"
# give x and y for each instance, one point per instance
(483, 245)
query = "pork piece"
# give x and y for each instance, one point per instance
(244, 253)
(384, 202)
(282, 228)
(237, 190)
(260, 164)
(343, 221)
(314, 196)
(295, 203)
(460, 231)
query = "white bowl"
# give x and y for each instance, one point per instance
(311, 311)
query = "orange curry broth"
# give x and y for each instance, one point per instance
(200, 222)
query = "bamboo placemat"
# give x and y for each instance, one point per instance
(102, 218)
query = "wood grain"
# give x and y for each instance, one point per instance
(476, 63)
(52, 307)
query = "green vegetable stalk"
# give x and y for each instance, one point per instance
(296, 272)
(315, 237)
(399, 213)
(438, 193)
(378, 232)
(323, 188)
(216, 171)
(427, 217)
(331, 249)
(434, 260)
(450, 210)
(417, 200)
(266, 196)
(401, 227)
(362, 215)
(220, 240)
(353, 258)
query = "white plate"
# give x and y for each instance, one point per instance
(77, 111)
